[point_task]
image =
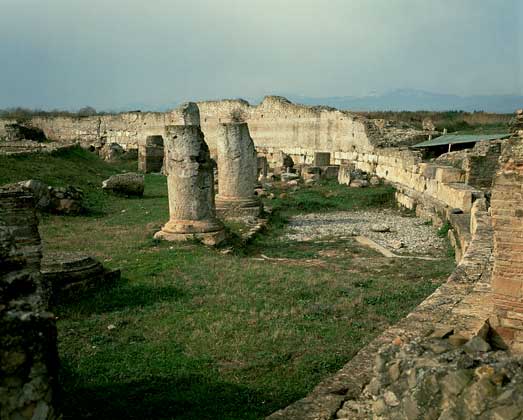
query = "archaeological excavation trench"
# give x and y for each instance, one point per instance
(242, 261)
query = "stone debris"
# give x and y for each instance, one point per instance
(130, 183)
(379, 227)
(57, 200)
(430, 378)
(414, 236)
(359, 183)
(72, 274)
(289, 176)
(40, 191)
(66, 200)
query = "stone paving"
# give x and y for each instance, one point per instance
(389, 228)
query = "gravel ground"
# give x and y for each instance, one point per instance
(415, 237)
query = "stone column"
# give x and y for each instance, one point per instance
(263, 168)
(237, 172)
(150, 154)
(190, 183)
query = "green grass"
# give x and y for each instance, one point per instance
(75, 166)
(443, 231)
(202, 335)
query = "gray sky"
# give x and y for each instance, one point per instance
(113, 53)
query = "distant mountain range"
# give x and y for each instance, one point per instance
(396, 100)
(417, 100)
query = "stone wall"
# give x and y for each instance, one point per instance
(28, 349)
(507, 216)
(275, 122)
(127, 129)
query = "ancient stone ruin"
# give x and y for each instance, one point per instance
(150, 154)
(237, 172)
(190, 113)
(507, 220)
(70, 275)
(190, 183)
(454, 336)
(28, 350)
(129, 183)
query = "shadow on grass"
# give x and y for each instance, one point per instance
(187, 396)
(123, 295)
(154, 196)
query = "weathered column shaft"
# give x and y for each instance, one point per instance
(190, 183)
(237, 170)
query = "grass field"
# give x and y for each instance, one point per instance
(191, 333)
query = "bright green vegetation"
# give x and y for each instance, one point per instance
(202, 335)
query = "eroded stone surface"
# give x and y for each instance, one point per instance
(129, 183)
(28, 350)
(190, 185)
(237, 172)
(72, 274)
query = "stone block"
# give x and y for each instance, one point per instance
(449, 174)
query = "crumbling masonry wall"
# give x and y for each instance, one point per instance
(507, 219)
(275, 122)
(28, 349)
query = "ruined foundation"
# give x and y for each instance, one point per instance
(28, 355)
(190, 184)
(237, 172)
(71, 275)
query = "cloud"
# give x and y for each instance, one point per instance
(70, 53)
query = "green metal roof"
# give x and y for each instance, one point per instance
(460, 138)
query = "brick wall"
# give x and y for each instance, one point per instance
(507, 221)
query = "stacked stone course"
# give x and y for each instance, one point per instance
(28, 350)
(507, 218)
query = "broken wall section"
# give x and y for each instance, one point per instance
(507, 218)
(28, 340)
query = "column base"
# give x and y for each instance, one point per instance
(208, 238)
(209, 232)
(231, 208)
